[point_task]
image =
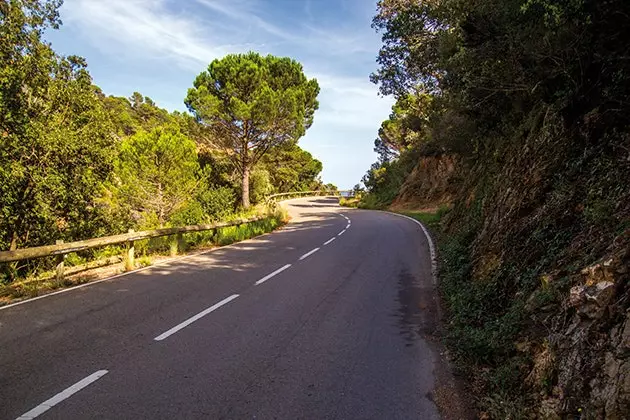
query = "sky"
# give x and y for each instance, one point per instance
(157, 47)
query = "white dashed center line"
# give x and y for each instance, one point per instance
(329, 241)
(66, 393)
(194, 318)
(278, 271)
(342, 232)
(308, 254)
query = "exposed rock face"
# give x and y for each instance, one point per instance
(592, 301)
(431, 183)
(591, 338)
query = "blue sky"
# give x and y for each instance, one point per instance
(157, 47)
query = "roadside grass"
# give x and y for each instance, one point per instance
(349, 202)
(429, 218)
(232, 234)
(108, 261)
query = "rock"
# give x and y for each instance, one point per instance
(549, 409)
(625, 335)
(597, 299)
(577, 296)
(611, 393)
(603, 272)
(601, 293)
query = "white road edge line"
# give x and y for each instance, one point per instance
(308, 254)
(278, 271)
(328, 242)
(195, 318)
(429, 240)
(66, 393)
(342, 232)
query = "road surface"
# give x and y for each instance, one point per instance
(304, 323)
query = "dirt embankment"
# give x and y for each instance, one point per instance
(432, 183)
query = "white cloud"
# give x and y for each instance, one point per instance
(351, 102)
(144, 26)
(245, 12)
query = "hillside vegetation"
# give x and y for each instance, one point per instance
(76, 163)
(514, 115)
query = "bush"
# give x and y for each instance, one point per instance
(191, 214)
(217, 202)
(259, 185)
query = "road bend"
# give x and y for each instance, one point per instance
(326, 318)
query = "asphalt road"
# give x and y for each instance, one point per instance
(338, 334)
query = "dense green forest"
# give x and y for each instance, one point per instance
(76, 163)
(512, 119)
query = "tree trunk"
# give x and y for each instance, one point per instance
(246, 187)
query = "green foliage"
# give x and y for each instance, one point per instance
(260, 185)
(77, 164)
(384, 179)
(217, 202)
(192, 213)
(251, 104)
(135, 114)
(292, 169)
(430, 219)
(157, 173)
(407, 126)
(229, 235)
(56, 147)
(349, 202)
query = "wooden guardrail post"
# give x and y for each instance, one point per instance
(130, 258)
(177, 244)
(60, 264)
(181, 244)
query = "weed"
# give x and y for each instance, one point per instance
(75, 259)
(144, 261)
(431, 219)
(504, 406)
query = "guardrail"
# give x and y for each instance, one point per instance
(61, 249)
(290, 195)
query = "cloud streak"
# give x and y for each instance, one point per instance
(146, 27)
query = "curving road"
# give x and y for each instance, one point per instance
(303, 323)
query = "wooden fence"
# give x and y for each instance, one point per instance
(61, 249)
